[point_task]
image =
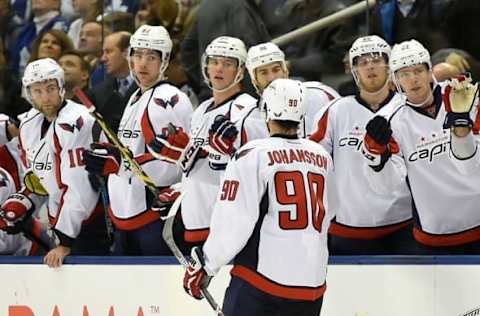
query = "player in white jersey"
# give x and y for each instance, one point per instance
(53, 135)
(8, 129)
(271, 218)
(150, 110)
(437, 154)
(366, 222)
(219, 126)
(21, 234)
(266, 62)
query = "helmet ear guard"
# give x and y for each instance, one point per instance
(284, 100)
(154, 38)
(42, 70)
(228, 47)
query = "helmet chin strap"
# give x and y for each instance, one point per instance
(237, 79)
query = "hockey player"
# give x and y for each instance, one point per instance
(52, 137)
(435, 146)
(21, 234)
(8, 129)
(220, 125)
(266, 62)
(275, 195)
(150, 110)
(365, 222)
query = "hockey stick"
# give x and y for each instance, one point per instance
(167, 235)
(112, 136)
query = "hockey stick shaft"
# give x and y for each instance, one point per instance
(167, 235)
(112, 137)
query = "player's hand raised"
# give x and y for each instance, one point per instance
(378, 143)
(102, 159)
(196, 278)
(459, 97)
(222, 135)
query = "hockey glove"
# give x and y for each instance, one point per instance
(175, 146)
(222, 135)
(102, 159)
(196, 278)
(378, 142)
(165, 200)
(459, 97)
(14, 210)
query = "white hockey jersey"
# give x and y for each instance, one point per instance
(272, 217)
(203, 181)
(318, 96)
(3, 129)
(10, 160)
(54, 153)
(18, 244)
(145, 116)
(360, 211)
(446, 194)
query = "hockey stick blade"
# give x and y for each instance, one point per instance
(112, 137)
(167, 235)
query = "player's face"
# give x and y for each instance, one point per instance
(146, 66)
(415, 82)
(269, 72)
(372, 72)
(221, 71)
(46, 97)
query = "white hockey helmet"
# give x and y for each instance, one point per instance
(264, 54)
(371, 44)
(409, 53)
(42, 70)
(229, 47)
(155, 38)
(284, 100)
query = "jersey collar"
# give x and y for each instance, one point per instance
(367, 106)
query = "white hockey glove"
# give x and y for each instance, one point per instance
(459, 97)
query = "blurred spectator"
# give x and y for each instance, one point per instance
(10, 89)
(154, 12)
(459, 61)
(91, 45)
(111, 96)
(214, 18)
(46, 16)
(51, 43)
(77, 72)
(400, 20)
(325, 49)
(461, 26)
(88, 10)
(121, 5)
(119, 21)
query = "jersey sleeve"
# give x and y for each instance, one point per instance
(78, 199)
(253, 127)
(3, 129)
(323, 129)
(236, 212)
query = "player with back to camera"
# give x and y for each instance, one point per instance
(271, 217)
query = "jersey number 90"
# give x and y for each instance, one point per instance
(290, 189)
